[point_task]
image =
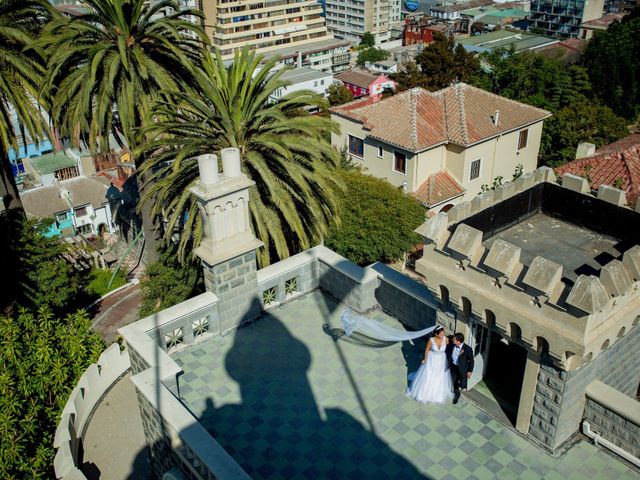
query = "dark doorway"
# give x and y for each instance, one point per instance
(505, 371)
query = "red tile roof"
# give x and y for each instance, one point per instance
(417, 119)
(356, 77)
(618, 162)
(438, 188)
(604, 21)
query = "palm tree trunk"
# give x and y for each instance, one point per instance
(8, 189)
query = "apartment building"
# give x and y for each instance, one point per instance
(563, 18)
(263, 25)
(350, 19)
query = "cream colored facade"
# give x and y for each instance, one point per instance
(499, 156)
(263, 25)
(350, 19)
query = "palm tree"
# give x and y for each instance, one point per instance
(20, 75)
(284, 150)
(108, 66)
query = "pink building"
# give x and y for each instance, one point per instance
(365, 84)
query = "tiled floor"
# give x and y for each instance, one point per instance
(287, 401)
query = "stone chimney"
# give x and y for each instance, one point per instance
(585, 149)
(228, 244)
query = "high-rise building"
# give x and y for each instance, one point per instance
(350, 19)
(263, 25)
(563, 17)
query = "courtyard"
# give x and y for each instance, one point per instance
(289, 397)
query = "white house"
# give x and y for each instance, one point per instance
(304, 78)
(78, 205)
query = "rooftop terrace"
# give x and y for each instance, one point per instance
(287, 400)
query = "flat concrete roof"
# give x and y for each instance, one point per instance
(304, 74)
(505, 38)
(307, 48)
(578, 249)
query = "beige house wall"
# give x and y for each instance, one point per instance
(592, 10)
(371, 162)
(498, 156)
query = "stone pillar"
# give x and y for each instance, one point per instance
(528, 392)
(228, 244)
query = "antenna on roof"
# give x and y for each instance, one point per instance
(496, 118)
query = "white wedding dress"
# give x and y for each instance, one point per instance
(432, 382)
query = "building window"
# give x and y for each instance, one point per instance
(61, 217)
(380, 151)
(81, 212)
(85, 229)
(475, 170)
(400, 162)
(523, 138)
(356, 146)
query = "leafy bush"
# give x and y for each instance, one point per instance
(41, 359)
(377, 220)
(98, 281)
(167, 283)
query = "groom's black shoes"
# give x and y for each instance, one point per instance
(456, 397)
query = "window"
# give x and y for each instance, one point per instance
(380, 151)
(356, 146)
(399, 162)
(81, 212)
(85, 229)
(475, 170)
(523, 138)
(61, 217)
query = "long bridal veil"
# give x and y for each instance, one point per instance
(374, 329)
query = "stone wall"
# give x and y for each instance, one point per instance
(234, 283)
(613, 416)
(405, 299)
(560, 396)
(94, 383)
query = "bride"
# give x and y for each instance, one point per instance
(432, 382)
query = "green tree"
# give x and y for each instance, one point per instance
(167, 283)
(535, 79)
(409, 76)
(283, 149)
(108, 66)
(377, 220)
(612, 58)
(368, 40)
(20, 74)
(584, 121)
(41, 359)
(40, 276)
(338, 94)
(371, 54)
(444, 63)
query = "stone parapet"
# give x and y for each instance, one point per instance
(559, 402)
(94, 383)
(614, 416)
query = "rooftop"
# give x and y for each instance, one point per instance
(616, 164)
(603, 22)
(506, 39)
(51, 162)
(438, 188)
(307, 48)
(417, 119)
(451, 7)
(287, 400)
(560, 225)
(43, 202)
(303, 74)
(359, 78)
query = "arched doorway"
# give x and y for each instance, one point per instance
(446, 208)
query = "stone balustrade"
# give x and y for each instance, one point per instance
(85, 397)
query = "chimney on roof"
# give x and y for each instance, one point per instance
(585, 149)
(496, 118)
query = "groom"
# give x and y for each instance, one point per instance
(460, 358)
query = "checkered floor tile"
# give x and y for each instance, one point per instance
(287, 401)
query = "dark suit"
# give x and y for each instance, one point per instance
(465, 365)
